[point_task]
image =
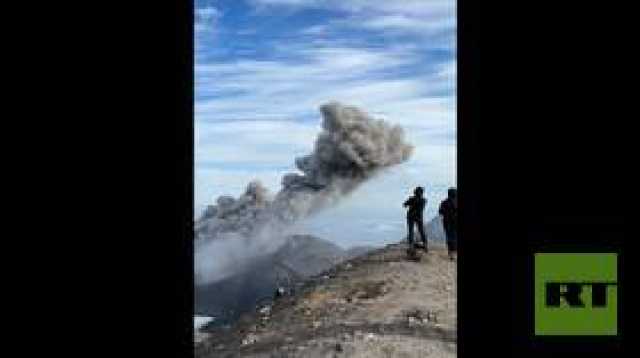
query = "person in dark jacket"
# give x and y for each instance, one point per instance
(415, 205)
(449, 212)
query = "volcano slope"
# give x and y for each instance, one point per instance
(376, 305)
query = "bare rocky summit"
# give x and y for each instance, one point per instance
(376, 305)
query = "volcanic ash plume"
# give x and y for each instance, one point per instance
(351, 149)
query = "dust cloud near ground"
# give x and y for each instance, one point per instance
(376, 305)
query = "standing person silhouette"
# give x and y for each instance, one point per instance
(416, 204)
(449, 212)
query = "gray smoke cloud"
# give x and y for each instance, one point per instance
(351, 148)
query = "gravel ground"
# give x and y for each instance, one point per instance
(376, 305)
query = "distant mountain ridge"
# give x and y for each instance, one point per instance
(301, 256)
(434, 229)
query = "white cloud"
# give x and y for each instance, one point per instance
(273, 95)
(409, 23)
(315, 62)
(208, 12)
(315, 30)
(245, 106)
(416, 7)
(304, 3)
(205, 18)
(257, 142)
(288, 89)
(228, 155)
(434, 20)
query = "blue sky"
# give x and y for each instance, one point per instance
(263, 67)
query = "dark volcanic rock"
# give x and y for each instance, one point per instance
(300, 257)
